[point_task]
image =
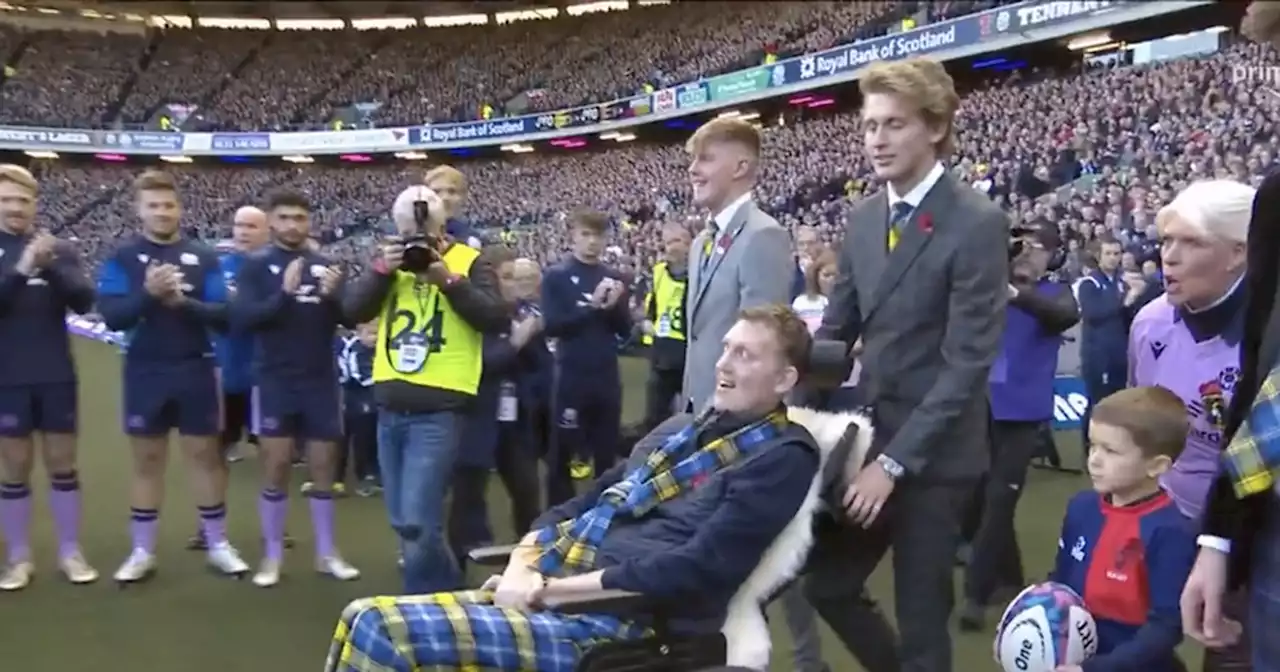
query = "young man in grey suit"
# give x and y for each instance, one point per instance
(924, 278)
(741, 259)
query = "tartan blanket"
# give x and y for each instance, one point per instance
(680, 463)
(1252, 457)
(464, 631)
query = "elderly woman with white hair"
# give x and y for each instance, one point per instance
(1188, 340)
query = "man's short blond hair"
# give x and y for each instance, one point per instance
(725, 130)
(924, 84)
(154, 180)
(20, 176)
(446, 174)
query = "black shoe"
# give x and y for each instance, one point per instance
(288, 541)
(973, 617)
(197, 542)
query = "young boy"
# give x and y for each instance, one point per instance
(359, 413)
(1124, 546)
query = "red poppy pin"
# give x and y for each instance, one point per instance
(925, 222)
(725, 241)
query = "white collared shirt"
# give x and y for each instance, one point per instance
(916, 196)
(722, 218)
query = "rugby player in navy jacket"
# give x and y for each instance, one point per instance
(287, 297)
(40, 281)
(584, 308)
(168, 293)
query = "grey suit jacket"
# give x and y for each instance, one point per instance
(756, 268)
(931, 316)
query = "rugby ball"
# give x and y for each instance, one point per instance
(1044, 627)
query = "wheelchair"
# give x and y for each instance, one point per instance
(743, 643)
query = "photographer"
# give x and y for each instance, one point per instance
(1021, 391)
(436, 299)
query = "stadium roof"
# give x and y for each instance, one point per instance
(326, 9)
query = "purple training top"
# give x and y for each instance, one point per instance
(1163, 352)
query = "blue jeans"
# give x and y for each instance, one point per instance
(415, 454)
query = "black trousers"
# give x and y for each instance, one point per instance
(359, 445)
(661, 391)
(517, 467)
(921, 523)
(235, 419)
(996, 558)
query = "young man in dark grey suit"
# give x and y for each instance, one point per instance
(924, 277)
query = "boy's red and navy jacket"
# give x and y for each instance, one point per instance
(1129, 563)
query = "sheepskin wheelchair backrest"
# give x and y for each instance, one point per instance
(745, 631)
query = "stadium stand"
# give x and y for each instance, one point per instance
(1094, 168)
(1108, 165)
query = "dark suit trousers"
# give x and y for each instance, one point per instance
(996, 559)
(661, 393)
(921, 523)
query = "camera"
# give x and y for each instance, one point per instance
(1018, 235)
(420, 249)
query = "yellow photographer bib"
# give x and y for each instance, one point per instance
(668, 294)
(422, 340)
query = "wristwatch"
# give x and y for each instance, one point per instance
(892, 467)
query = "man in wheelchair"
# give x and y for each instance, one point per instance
(684, 522)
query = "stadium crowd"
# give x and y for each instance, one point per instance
(1093, 172)
(86, 79)
(1091, 169)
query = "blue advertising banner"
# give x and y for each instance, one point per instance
(156, 141)
(234, 141)
(1070, 401)
(692, 94)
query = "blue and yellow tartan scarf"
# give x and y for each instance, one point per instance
(570, 547)
(1252, 457)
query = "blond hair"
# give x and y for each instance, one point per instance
(19, 176)
(925, 85)
(725, 130)
(154, 180)
(447, 174)
(792, 332)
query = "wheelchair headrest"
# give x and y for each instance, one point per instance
(829, 365)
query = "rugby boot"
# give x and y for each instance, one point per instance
(139, 566)
(268, 573)
(580, 471)
(337, 568)
(338, 489)
(225, 559)
(197, 542)
(77, 569)
(17, 576)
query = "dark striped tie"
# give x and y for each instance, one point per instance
(708, 248)
(898, 216)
